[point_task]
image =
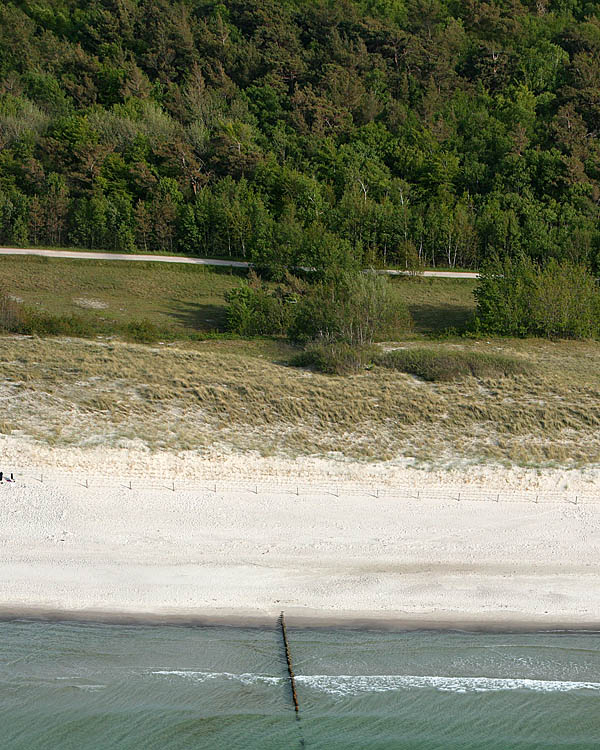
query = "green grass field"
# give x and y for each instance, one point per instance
(185, 298)
(437, 304)
(179, 297)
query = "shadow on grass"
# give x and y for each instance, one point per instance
(199, 317)
(438, 317)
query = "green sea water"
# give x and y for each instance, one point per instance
(76, 686)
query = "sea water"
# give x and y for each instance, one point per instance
(80, 686)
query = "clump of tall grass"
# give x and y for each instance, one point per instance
(334, 357)
(443, 365)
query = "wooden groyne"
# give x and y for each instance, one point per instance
(288, 658)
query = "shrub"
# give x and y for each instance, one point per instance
(334, 358)
(357, 309)
(565, 302)
(516, 297)
(143, 331)
(443, 365)
(254, 309)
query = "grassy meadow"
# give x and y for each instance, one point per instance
(180, 299)
(185, 300)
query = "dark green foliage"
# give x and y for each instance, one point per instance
(143, 331)
(320, 134)
(254, 309)
(356, 308)
(441, 365)
(517, 297)
(503, 297)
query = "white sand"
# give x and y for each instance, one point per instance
(196, 552)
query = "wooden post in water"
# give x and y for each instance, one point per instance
(288, 658)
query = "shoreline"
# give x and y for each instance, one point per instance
(314, 621)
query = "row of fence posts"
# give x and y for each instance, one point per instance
(335, 492)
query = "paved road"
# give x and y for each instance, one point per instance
(194, 261)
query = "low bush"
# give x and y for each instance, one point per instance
(256, 310)
(144, 332)
(438, 365)
(33, 322)
(334, 358)
(40, 323)
(357, 308)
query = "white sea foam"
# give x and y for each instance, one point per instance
(246, 678)
(355, 684)
(341, 685)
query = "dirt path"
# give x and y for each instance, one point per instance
(86, 255)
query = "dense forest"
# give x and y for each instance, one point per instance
(380, 132)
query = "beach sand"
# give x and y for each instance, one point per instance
(310, 537)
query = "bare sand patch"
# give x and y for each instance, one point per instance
(90, 303)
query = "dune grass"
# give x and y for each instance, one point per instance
(441, 364)
(77, 392)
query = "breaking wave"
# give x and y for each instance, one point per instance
(246, 678)
(342, 685)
